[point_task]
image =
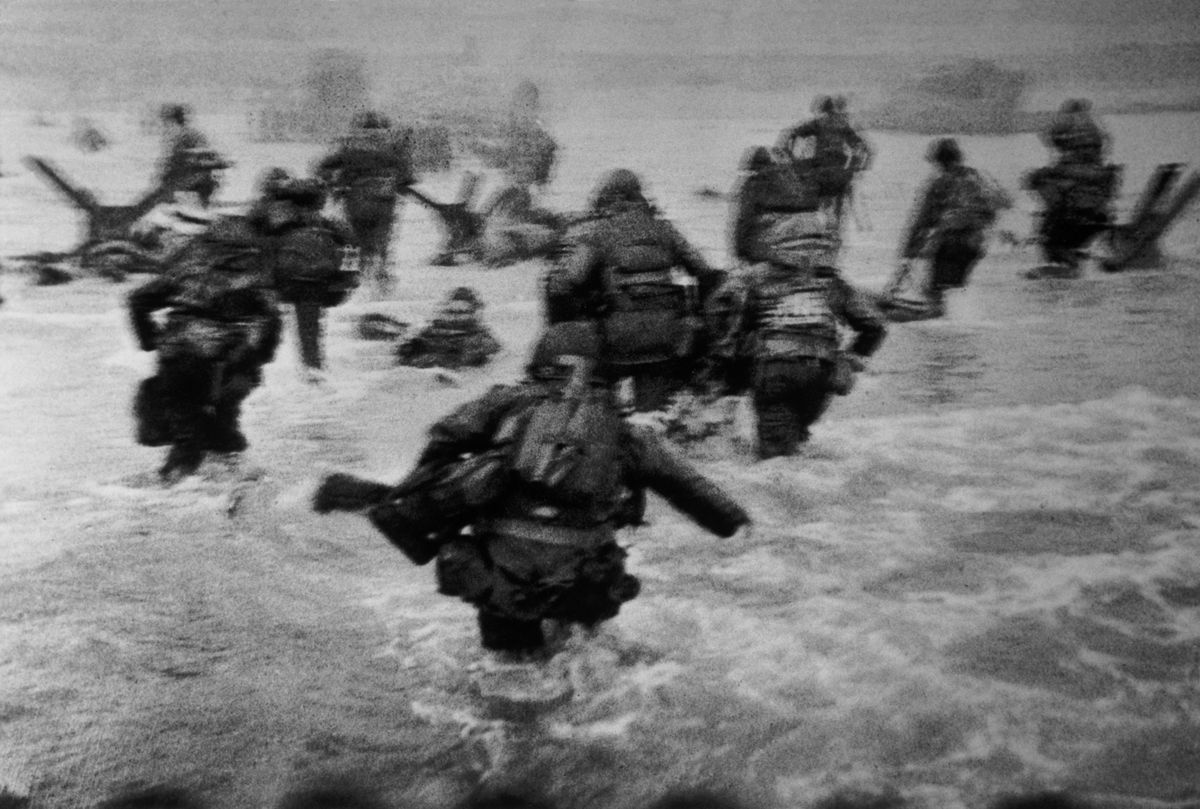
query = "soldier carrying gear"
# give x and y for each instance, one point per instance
(1077, 190)
(780, 321)
(306, 253)
(222, 326)
(550, 472)
(773, 196)
(956, 208)
(455, 339)
(631, 270)
(188, 163)
(368, 171)
(837, 153)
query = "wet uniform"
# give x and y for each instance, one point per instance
(368, 171)
(838, 152)
(305, 253)
(533, 555)
(222, 325)
(636, 274)
(950, 225)
(784, 325)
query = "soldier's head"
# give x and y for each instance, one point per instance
(273, 181)
(176, 114)
(618, 186)
(840, 104)
(945, 152)
(368, 120)
(562, 347)
(823, 105)
(306, 192)
(1074, 106)
(756, 158)
(463, 302)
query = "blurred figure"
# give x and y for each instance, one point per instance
(1040, 800)
(1075, 135)
(1077, 190)
(779, 325)
(306, 251)
(953, 214)
(544, 472)
(368, 171)
(188, 163)
(530, 150)
(836, 154)
(629, 269)
(222, 325)
(455, 339)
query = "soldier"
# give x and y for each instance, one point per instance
(1077, 189)
(368, 172)
(954, 211)
(530, 150)
(306, 254)
(782, 327)
(544, 472)
(838, 152)
(222, 325)
(632, 271)
(455, 339)
(188, 163)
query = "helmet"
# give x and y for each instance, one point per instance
(274, 180)
(619, 185)
(576, 338)
(1076, 105)
(945, 152)
(176, 113)
(823, 104)
(756, 158)
(370, 119)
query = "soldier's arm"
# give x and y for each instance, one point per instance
(472, 426)
(745, 209)
(143, 302)
(863, 316)
(659, 469)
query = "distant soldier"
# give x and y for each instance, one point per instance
(954, 212)
(367, 172)
(629, 269)
(306, 254)
(456, 338)
(544, 472)
(189, 162)
(529, 151)
(1075, 135)
(222, 325)
(836, 154)
(781, 320)
(1078, 189)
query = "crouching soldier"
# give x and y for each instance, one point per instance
(455, 339)
(629, 269)
(221, 326)
(543, 472)
(306, 254)
(782, 317)
(950, 225)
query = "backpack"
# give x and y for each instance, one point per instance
(311, 256)
(569, 447)
(646, 296)
(972, 202)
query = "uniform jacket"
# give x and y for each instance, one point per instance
(936, 211)
(578, 276)
(219, 290)
(805, 307)
(646, 464)
(1077, 138)
(374, 158)
(835, 141)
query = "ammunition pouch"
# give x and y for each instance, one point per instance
(463, 570)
